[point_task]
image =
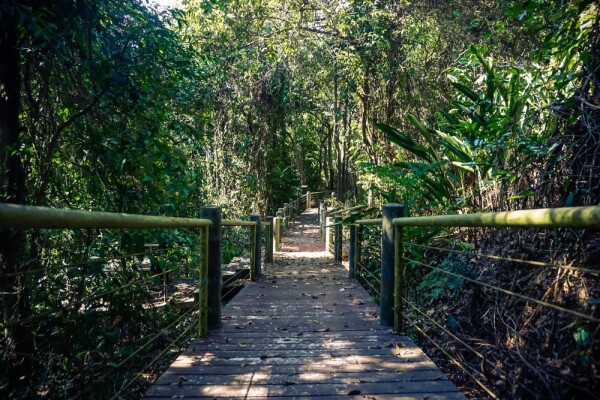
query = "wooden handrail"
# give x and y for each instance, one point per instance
(347, 210)
(565, 217)
(237, 222)
(19, 216)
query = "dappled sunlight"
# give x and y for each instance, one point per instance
(183, 362)
(225, 390)
(302, 330)
(295, 253)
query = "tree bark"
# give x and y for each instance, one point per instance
(19, 340)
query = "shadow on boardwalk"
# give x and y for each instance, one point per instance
(303, 330)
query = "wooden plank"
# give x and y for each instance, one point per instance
(292, 389)
(303, 330)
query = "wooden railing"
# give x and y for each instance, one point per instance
(105, 276)
(402, 271)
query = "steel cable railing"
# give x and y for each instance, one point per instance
(432, 260)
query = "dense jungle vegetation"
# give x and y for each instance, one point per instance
(444, 106)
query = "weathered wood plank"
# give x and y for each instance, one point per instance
(303, 330)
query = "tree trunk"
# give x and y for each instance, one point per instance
(19, 340)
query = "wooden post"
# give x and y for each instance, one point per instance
(255, 270)
(203, 285)
(399, 278)
(308, 201)
(214, 265)
(352, 250)
(358, 247)
(388, 252)
(320, 205)
(277, 232)
(328, 234)
(269, 241)
(337, 242)
(324, 231)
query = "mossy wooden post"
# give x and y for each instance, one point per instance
(328, 234)
(399, 278)
(352, 250)
(255, 271)
(324, 231)
(388, 256)
(269, 240)
(337, 241)
(358, 247)
(277, 232)
(320, 208)
(214, 214)
(308, 200)
(203, 284)
(286, 211)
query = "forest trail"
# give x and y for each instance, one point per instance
(303, 330)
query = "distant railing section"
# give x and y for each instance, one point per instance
(384, 252)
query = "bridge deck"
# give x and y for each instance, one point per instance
(303, 330)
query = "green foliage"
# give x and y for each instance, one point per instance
(437, 284)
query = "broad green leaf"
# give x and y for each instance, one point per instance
(467, 92)
(404, 141)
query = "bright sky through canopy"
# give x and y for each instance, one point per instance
(167, 3)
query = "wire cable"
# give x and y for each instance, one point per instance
(161, 354)
(137, 351)
(456, 362)
(515, 260)
(84, 300)
(85, 263)
(511, 293)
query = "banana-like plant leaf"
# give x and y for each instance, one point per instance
(438, 190)
(467, 92)
(463, 165)
(405, 142)
(449, 117)
(455, 145)
(423, 130)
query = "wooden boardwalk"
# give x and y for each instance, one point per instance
(303, 330)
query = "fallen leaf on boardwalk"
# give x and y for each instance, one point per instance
(389, 346)
(375, 347)
(290, 383)
(323, 330)
(399, 345)
(181, 380)
(240, 327)
(242, 345)
(400, 370)
(354, 392)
